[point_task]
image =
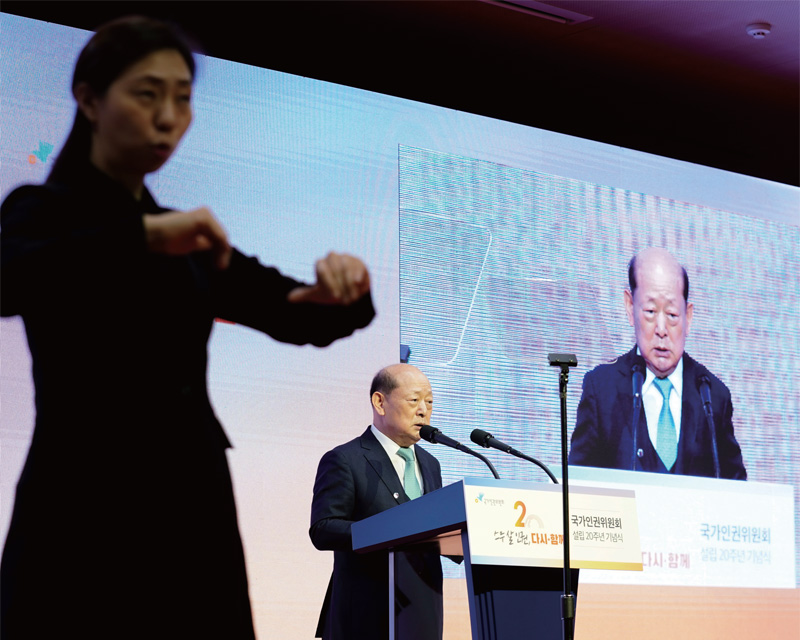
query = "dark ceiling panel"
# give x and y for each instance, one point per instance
(673, 78)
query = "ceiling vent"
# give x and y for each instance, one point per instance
(541, 10)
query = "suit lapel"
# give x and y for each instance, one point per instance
(691, 428)
(379, 461)
(428, 479)
(625, 393)
(649, 461)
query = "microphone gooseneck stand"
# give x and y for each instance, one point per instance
(564, 361)
(431, 434)
(484, 439)
(638, 381)
(704, 386)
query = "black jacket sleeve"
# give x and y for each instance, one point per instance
(251, 294)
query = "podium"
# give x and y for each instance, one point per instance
(510, 536)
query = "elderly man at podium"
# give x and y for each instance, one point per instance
(372, 473)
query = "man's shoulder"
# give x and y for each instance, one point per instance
(357, 443)
(623, 363)
(694, 370)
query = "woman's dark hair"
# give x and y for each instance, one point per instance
(115, 47)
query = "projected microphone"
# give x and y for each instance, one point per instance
(704, 387)
(485, 439)
(427, 432)
(638, 381)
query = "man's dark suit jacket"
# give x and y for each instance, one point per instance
(603, 435)
(354, 481)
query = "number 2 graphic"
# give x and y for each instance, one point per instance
(520, 522)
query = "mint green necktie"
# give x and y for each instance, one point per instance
(410, 483)
(666, 437)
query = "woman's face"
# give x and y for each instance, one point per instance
(142, 117)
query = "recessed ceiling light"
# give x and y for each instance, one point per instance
(759, 30)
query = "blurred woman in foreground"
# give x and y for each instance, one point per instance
(124, 523)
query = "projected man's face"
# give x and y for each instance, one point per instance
(400, 413)
(142, 117)
(658, 312)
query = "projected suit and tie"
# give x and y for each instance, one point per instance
(650, 409)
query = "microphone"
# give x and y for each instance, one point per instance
(704, 387)
(485, 439)
(638, 381)
(429, 433)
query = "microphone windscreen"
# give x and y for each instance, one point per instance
(638, 380)
(479, 437)
(704, 387)
(427, 432)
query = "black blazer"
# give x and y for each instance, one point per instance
(354, 481)
(603, 435)
(124, 521)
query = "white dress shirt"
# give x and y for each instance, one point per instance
(653, 400)
(399, 463)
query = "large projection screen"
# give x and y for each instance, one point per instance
(490, 244)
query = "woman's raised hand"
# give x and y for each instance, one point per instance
(341, 279)
(179, 233)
